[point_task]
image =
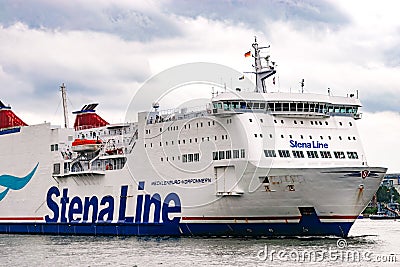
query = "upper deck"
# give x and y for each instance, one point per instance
(286, 104)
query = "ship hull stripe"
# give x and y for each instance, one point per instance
(314, 228)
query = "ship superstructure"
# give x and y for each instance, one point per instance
(248, 164)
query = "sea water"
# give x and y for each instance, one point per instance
(370, 243)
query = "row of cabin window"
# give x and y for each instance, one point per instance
(183, 141)
(302, 122)
(167, 159)
(185, 126)
(229, 154)
(191, 157)
(310, 154)
(310, 137)
(279, 106)
(186, 158)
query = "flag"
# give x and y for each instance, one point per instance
(273, 80)
(241, 78)
(247, 54)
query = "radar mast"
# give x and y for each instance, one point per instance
(262, 73)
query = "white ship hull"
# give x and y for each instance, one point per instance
(250, 164)
(321, 201)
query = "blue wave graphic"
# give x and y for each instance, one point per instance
(14, 182)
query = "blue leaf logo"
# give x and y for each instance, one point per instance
(15, 183)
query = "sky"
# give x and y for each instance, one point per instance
(104, 51)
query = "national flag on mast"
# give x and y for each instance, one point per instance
(247, 54)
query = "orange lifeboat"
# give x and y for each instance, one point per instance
(86, 145)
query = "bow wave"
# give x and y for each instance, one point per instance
(14, 182)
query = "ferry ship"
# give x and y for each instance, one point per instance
(248, 164)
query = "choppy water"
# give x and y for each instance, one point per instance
(370, 243)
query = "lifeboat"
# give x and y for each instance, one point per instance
(86, 145)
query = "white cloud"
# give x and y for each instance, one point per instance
(380, 136)
(105, 51)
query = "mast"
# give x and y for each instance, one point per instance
(261, 74)
(65, 108)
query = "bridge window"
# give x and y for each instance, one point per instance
(242, 153)
(270, 107)
(325, 154)
(56, 168)
(227, 105)
(312, 154)
(298, 154)
(270, 153)
(300, 107)
(215, 155)
(352, 155)
(339, 154)
(284, 153)
(285, 106)
(306, 107)
(312, 107)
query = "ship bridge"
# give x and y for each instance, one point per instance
(285, 104)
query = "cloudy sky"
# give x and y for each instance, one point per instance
(105, 50)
